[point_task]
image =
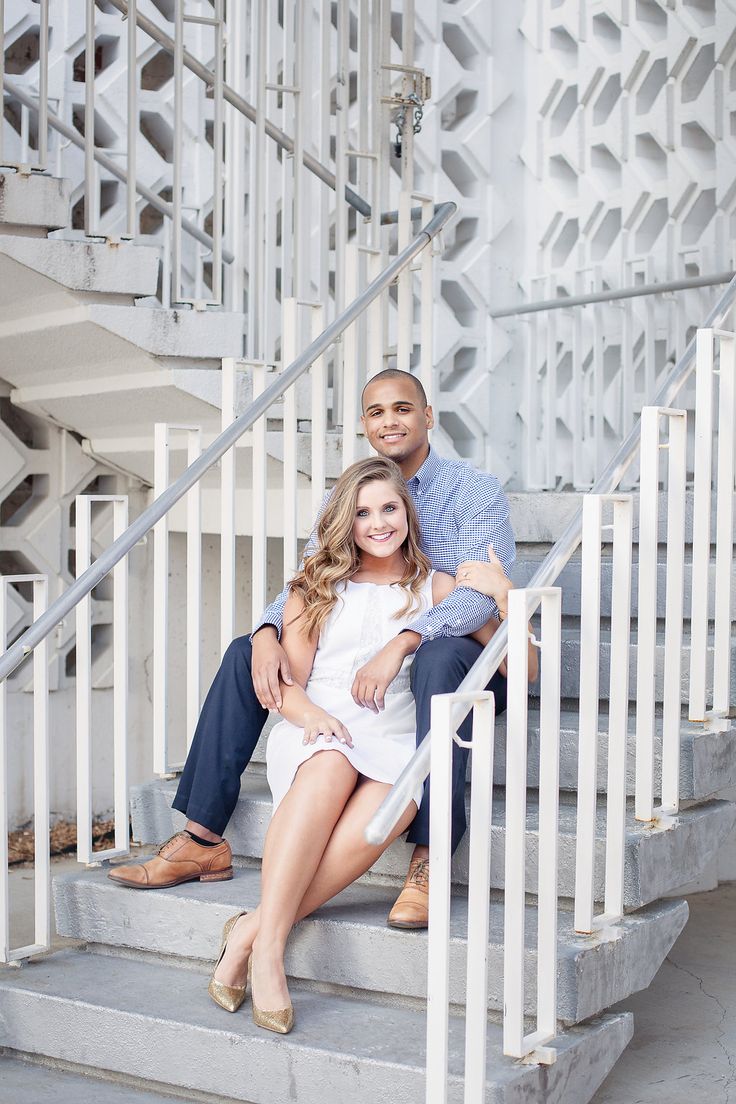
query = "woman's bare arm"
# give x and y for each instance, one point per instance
(296, 705)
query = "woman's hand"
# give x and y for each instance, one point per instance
(488, 578)
(374, 678)
(317, 722)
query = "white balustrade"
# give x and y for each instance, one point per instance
(41, 773)
(448, 711)
(85, 726)
(161, 480)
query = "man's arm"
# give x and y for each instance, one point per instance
(480, 523)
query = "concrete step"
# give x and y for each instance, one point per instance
(707, 755)
(30, 1082)
(347, 943)
(34, 201)
(111, 268)
(570, 673)
(102, 369)
(528, 561)
(145, 1018)
(660, 857)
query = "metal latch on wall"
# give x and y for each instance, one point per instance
(416, 89)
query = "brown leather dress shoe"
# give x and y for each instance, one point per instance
(179, 859)
(412, 905)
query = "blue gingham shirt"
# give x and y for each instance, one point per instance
(461, 510)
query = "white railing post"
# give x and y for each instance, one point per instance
(85, 727)
(318, 374)
(589, 700)
(647, 613)
(590, 634)
(350, 363)
(227, 511)
(724, 525)
(618, 707)
(479, 895)
(259, 526)
(444, 735)
(438, 962)
(522, 604)
(161, 479)
(674, 610)
(289, 344)
(41, 775)
(699, 590)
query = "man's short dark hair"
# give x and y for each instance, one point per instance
(396, 373)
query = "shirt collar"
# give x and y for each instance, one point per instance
(424, 476)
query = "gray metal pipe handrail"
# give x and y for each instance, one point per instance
(240, 104)
(612, 295)
(112, 167)
(479, 675)
(41, 628)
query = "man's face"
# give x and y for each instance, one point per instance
(395, 423)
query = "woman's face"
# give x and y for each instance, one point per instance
(380, 526)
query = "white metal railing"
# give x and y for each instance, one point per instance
(85, 726)
(41, 802)
(592, 359)
(522, 605)
(660, 622)
(273, 396)
(589, 708)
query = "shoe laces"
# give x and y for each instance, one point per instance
(176, 836)
(419, 873)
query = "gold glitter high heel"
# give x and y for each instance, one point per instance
(280, 1020)
(229, 997)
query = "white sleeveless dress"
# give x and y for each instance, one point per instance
(361, 622)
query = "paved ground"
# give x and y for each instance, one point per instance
(684, 1045)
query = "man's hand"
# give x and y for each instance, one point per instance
(319, 723)
(269, 663)
(373, 679)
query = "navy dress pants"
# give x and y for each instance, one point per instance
(438, 668)
(232, 719)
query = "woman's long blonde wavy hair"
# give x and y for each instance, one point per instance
(337, 557)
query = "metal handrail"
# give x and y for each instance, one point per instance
(479, 675)
(160, 506)
(613, 294)
(240, 104)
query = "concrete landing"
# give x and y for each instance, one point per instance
(347, 943)
(684, 1045)
(136, 1018)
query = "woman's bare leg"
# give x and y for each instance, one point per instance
(346, 857)
(295, 842)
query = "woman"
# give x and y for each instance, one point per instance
(330, 762)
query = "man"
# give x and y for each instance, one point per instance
(460, 512)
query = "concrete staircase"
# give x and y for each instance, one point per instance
(128, 1005)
